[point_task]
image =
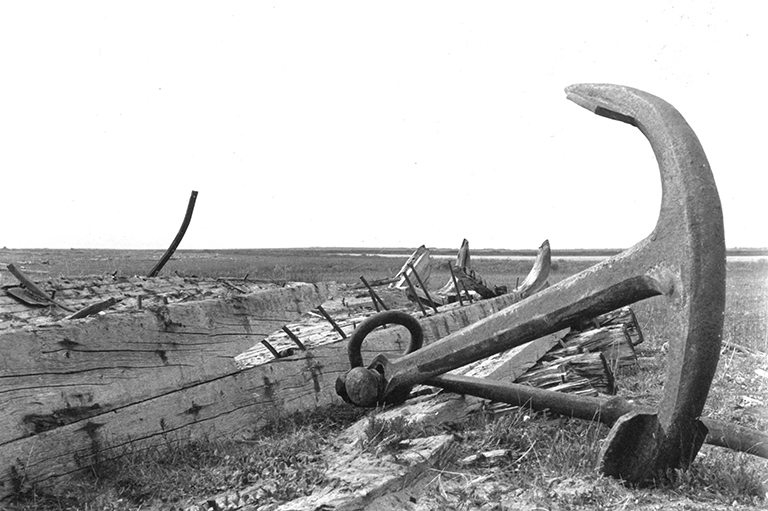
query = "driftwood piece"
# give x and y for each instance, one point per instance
(179, 236)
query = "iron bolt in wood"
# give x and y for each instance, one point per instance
(682, 259)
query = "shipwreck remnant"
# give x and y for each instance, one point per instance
(179, 236)
(682, 259)
(76, 390)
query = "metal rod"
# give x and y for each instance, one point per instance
(421, 284)
(331, 321)
(466, 291)
(294, 338)
(413, 290)
(607, 411)
(374, 295)
(270, 348)
(455, 284)
(375, 302)
(178, 238)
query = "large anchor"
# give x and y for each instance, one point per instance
(683, 259)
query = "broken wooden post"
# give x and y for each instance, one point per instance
(182, 230)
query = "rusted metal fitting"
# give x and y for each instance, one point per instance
(365, 386)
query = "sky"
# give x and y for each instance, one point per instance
(365, 124)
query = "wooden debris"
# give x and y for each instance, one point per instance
(34, 289)
(462, 261)
(462, 273)
(367, 480)
(536, 280)
(473, 282)
(623, 316)
(612, 341)
(359, 477)
(95, 308)
(584, 374)
(420, 261)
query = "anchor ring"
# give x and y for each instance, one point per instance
(368, 383)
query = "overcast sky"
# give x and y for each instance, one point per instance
(366, 124)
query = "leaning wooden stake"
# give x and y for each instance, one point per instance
(168, 253)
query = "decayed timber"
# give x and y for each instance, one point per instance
(584, 374)
(357, 477)
(536, 280)
(66, 384)
(463, 262)
(235, 402)
(346, 492)
(623, 316)
(473, 282)
(419, 261)
(613, 341)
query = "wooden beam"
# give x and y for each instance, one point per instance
(95, 368)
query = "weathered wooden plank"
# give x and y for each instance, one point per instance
(229, 405)
(345, 491)
(133, 293)
(60, 373)
(361, 477)
(418, 261)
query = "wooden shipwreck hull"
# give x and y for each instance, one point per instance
(175, 359)
(159, 367)
(78, 392)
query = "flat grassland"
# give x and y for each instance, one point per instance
(552, 460)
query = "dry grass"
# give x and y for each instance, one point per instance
(551, 460)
